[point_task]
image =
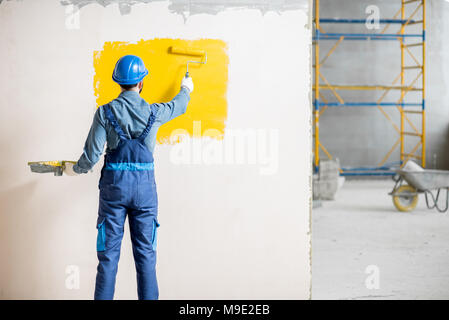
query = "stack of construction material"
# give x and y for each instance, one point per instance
(327, 181)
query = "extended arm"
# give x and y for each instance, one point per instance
(94, 146)
(176, 107)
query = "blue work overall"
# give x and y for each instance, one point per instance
(127, 188)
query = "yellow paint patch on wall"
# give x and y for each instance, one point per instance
(208, 100)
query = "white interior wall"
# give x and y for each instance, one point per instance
(227, 231)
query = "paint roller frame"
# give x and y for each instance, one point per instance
(190, 52)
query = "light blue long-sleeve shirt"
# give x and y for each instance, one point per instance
(132, 113)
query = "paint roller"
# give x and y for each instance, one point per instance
(190, 52)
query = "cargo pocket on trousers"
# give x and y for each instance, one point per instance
(154, 234)
(101, 236)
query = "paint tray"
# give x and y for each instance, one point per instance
(57, 167)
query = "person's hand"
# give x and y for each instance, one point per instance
(68, 169)
(187, 83)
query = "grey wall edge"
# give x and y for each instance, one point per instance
(192, 7)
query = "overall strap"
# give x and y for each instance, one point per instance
(110, 116)
(149, 124)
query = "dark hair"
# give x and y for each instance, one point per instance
(128, 86)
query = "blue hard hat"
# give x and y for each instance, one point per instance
(129, 70)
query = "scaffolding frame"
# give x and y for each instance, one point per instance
(320, 104)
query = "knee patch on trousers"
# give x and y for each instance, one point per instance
(154, 234)
(101, 236)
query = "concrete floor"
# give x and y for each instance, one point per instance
(362, 228)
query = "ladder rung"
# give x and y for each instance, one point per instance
(412, 67)
(411, 1)
(414, 22)
(412, 134)
(411, 155)
(364, 87)
(412, 111)
(413, 45)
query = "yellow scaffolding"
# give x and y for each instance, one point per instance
(404, 108)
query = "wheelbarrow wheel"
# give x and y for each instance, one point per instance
(405, 198)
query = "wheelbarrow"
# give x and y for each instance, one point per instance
(429, 182)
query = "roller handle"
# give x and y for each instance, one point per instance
(187, 74)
